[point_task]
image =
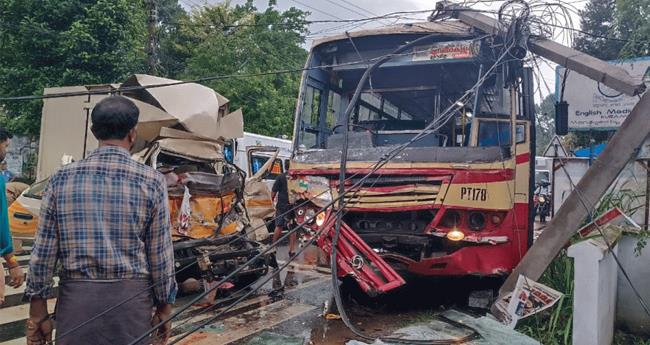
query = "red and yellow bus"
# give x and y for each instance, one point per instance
(457, 202)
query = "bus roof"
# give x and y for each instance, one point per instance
(451, 27)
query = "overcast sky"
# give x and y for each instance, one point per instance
(354, 9)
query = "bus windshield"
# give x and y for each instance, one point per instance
(401, 98)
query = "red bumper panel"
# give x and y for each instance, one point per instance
(356, 259)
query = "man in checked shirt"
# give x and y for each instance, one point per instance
(105, 220)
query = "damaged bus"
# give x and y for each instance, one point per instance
(454, 203)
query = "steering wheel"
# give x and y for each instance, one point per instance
(355, 126)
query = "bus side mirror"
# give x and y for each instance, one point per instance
(562, 118)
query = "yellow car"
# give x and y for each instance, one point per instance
(23, 214)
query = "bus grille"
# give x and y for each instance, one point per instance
(394, 192)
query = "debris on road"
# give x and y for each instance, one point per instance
(491, 331)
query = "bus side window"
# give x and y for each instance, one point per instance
(493, 133)
(520, 133)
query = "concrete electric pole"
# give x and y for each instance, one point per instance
(152, 42)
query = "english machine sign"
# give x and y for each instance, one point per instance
(594, 106)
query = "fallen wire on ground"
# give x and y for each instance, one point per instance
(378, 165)
(429, 128)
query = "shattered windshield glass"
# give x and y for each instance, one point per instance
(401, 98)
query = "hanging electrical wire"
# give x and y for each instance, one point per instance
(433, 126)
(197, 80)
(590, 208)
(274, 274)
(374, 169)
(231, 241)
(317, 10)
(426, 130)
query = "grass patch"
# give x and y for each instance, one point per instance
(554, 326)
(621, 338)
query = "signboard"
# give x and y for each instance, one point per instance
(447, 51)
(594, 106)
(555, 148)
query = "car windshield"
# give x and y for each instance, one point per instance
(36, 190)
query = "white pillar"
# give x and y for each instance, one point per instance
(594, 293)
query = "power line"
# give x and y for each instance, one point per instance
(196, 81)
(589, 207)
(384, 160)
(317, 10)
(233, 240)
(582, 32)
(391, 15)
(360, 8)
(345, 7)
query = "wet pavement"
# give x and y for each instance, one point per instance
(298, 316)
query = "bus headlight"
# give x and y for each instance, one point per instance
(476, 221)
(455, 235)
(320, 219)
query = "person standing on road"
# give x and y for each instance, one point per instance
(6, 244)
(280, 194)
(106, 220)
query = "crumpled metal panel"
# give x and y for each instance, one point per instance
(207, 183)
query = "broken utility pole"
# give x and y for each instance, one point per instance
(620, 149)
(602, 173)
(598, 70)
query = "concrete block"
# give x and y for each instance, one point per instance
(594, 296)
(630, 315)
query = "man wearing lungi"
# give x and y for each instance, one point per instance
(105, 220)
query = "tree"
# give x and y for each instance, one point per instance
(172, 61)
(224, 40)
(633, 20)
(545, 126)
(603, 40)
(47, 43)
(598, 19)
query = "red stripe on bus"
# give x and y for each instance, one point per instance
(523, 158)
(458, 175)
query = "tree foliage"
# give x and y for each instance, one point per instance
(599, 19)
(545, 126)
(626, 23)
(225, 40)
(47, 43)
(633, 18)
